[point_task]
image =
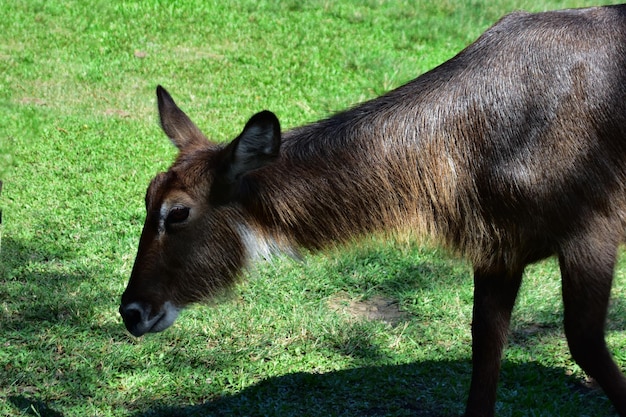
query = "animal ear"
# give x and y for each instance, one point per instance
(176, 124)
(256, 146)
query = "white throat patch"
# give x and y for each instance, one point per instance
(259, 246)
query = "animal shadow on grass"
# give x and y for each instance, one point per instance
(424, 389)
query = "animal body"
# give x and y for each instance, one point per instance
(510, 152)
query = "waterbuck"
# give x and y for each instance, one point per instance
(510, 152)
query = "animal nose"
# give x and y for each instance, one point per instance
(136, 317)
(141, 318)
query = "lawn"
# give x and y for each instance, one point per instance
(79, 142)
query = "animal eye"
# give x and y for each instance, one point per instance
(177, 215)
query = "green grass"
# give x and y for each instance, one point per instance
(79, 142)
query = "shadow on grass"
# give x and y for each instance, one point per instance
(45, 310)
(36, 408)
(44, 287)
(425, 389)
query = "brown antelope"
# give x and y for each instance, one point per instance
(512, 151)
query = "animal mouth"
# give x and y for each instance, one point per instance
(139, 321)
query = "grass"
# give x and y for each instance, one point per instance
(78, 144)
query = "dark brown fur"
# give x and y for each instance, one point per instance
(512, 151)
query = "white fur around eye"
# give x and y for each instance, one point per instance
(174, 202)
(162, 216)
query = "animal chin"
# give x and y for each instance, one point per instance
(164, 319)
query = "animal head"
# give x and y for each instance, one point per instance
(193, 242)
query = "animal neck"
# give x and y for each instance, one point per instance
(339, 179)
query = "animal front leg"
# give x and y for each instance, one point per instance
(495, 291)
(587, 272)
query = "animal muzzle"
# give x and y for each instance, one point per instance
(139, 318)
